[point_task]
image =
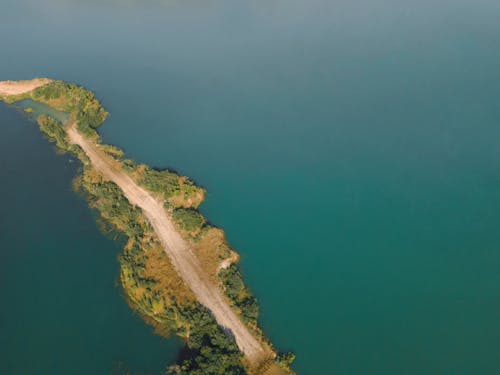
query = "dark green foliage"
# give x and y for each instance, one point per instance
(53, 90)
(285, 360)
(129, 165)
(87, 131)
(91, 113)
(189, 219)
(165, 182)
(168, 183)
(75, 100)
(210, 350)
(53, 129)
(238, 293)
(108, 198)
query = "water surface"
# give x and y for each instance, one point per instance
(62, 310)
(35, 109)
(350, 150)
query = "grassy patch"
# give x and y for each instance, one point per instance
(178, 191)
(189, 219)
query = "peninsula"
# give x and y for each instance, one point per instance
(177, 271)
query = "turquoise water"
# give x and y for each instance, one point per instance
(350, 150)
(62, 310)
(38, 109)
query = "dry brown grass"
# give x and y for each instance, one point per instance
(59, 103)
(138, 173)
(157, 266)
(192, 200)
(212, 249)
(168, 281)
(93, 176)
(274, 369)
(112, 151)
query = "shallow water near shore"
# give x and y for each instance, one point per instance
(351, 151)
(35, 109)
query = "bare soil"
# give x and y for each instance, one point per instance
(10, 88)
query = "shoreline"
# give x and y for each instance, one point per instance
(15, 88)
(107, 165)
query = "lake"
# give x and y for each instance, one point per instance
(350, 150)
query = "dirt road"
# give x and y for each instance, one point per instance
(176, 248)
(20, 87)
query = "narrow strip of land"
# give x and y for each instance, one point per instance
(176, 248)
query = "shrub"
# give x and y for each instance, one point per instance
(53, 129)
(239, 294)
(190, 220)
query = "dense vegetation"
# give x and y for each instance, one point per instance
(53, 129)
(89, 114)
(189, 219)
(239, 294)
(151, 284)
(177, 190)
(210, 350)
(73, 99)
(156, 291)
(285, 360)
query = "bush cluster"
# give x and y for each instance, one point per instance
(239, 294)
(75, 100)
